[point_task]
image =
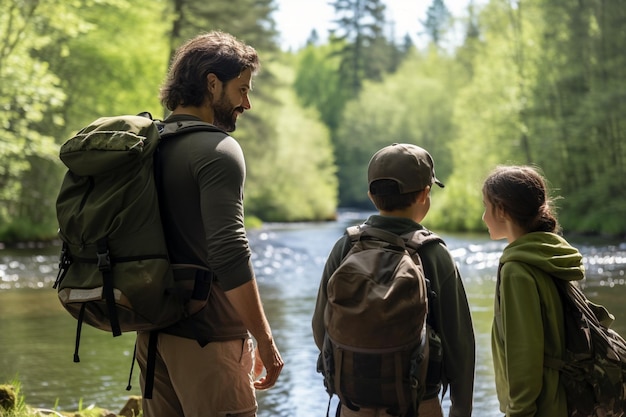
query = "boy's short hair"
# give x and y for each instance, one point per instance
(401, 168)
(391, 202)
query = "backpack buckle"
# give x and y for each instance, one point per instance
(104, 261)
(102, 253)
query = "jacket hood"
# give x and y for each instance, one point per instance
(548, 252)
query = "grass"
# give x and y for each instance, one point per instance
(13, 404)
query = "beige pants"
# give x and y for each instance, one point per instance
(191, 381)
(427, 408)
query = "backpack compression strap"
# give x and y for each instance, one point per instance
(104, 265)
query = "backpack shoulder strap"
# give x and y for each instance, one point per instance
(168, 130)
(354, 233)
(418, 238)
(181, 127)
(363, 231)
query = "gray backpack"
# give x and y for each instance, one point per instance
(376, 348)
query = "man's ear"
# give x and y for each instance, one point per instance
(212, 82)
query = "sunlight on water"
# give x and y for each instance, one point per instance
(37, 335)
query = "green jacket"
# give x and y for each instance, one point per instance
(528, 323)
(451, 310)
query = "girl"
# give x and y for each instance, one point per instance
(528, 315)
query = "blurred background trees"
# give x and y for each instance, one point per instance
(538, 82)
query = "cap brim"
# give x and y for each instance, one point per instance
(439, 183)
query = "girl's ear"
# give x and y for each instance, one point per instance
(501, 215)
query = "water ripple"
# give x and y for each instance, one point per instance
(300, 254)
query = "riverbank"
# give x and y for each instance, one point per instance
(13, 404)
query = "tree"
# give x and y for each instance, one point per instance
(359, 33)
(413, 105)
(292, 176)
(313, 38)
(438, 19)
(319, 84)
(31, 100)
(122, 75)
(467, 52)
(486, 119)
(578, 107)
(249, 20)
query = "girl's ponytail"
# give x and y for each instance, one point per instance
(545, 221)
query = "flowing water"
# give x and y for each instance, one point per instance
(37, 335)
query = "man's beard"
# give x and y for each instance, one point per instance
(224, 114)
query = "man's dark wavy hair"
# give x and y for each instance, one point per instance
(216, 52)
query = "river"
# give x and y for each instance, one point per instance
(37, 335)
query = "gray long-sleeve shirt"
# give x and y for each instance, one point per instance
(203, 179)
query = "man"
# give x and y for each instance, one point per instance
(205, 364)
(400, 178)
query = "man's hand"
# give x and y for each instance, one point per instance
(247, 302)
(265, 355)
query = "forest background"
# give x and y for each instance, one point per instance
(539, 82)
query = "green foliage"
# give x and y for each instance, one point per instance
(123, 73)
(12, 402)
(319, 83)
(545, 90)
(457, 208)
(31, 100)
(249, 20)
(487, 119)
(534, 82)
(578, 108)
(291, 176)
(363, 48)
(410, 106)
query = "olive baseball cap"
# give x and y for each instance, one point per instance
(409, 166)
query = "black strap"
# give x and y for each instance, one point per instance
(150, 364)
(201, 291)
(132, 367)
(104, 265)
(79, 326)
(64, 264)
(202, 284)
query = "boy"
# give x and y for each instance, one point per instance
(400, 178)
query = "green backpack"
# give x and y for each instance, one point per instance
(593, 368)
(375, 351)
(114, 271)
